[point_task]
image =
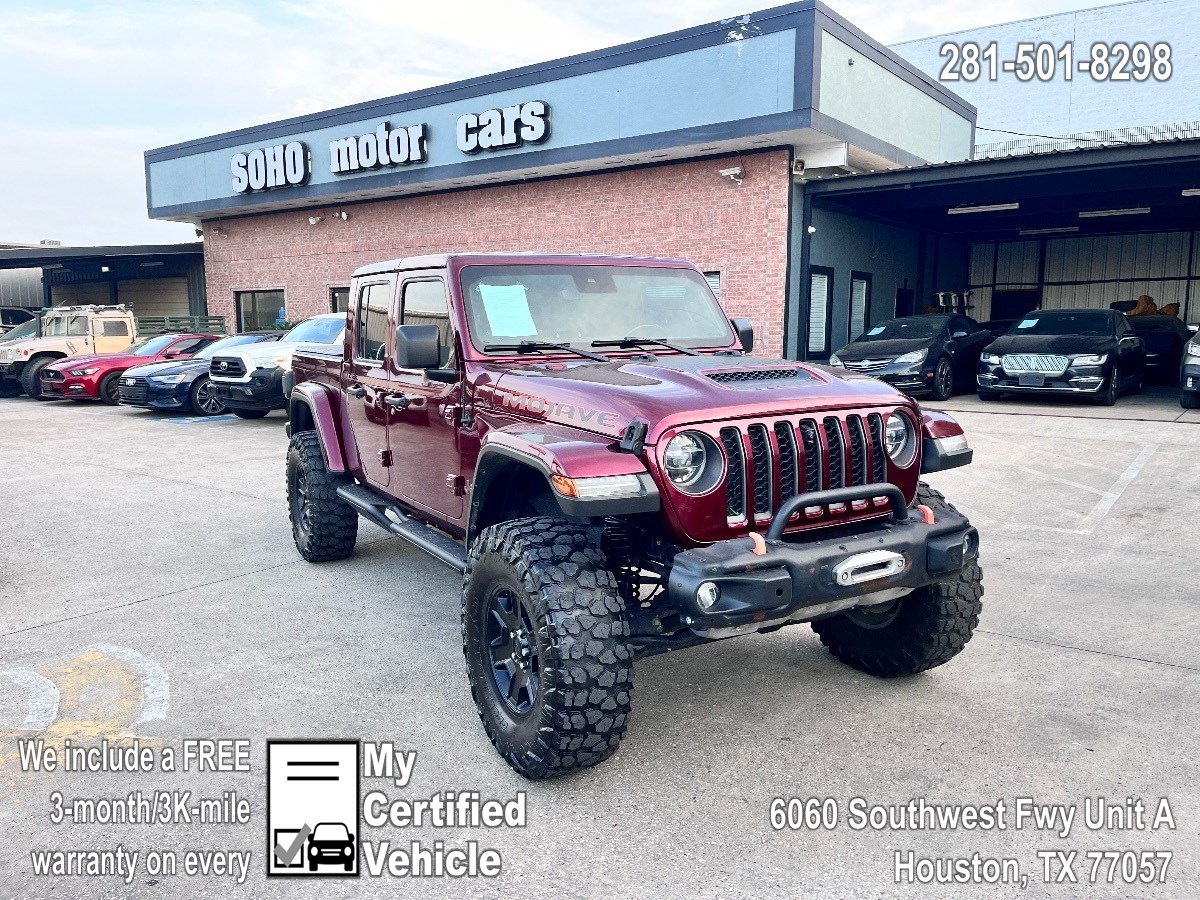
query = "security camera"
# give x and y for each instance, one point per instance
(313, 220)
(737, 174)
(199, 232)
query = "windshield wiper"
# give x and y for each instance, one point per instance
(541, 347)
(626, 342)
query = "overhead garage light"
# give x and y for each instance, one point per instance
(1105, 213)
(1191, 192)
(148, 265)
(992, 207)
(1066, 229)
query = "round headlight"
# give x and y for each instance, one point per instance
(900, 439)
(684, 459)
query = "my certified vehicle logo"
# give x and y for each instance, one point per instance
(129, 380)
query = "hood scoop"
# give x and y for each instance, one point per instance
(749, 379)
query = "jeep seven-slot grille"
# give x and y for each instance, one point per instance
(853, 447)
(735, 480)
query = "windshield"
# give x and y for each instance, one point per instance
(916, 328)
(151, 346)
(331, 831)
(65, 326)
(315, 331)
(223, 344)
(24, 330)
(1088, 322)
(581, 304)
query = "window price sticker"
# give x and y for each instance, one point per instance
(1116, 62)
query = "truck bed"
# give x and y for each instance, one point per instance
(317, 362)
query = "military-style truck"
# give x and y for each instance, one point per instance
(65, 331)
(590, 442)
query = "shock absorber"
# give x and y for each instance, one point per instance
(617, 544)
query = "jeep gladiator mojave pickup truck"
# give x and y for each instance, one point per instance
(588, 441)
(66, 331)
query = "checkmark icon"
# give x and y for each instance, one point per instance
(284, 856)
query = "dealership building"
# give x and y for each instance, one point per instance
(821, 180)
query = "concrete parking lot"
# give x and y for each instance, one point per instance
(147, 574)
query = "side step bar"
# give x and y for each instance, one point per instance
(390, 517)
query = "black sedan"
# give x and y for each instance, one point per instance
(1091, 353)
(1189, 375)
(918, 354)
(182, 385)
(1164, 337)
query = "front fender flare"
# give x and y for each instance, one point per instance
(559, 452)
(943, 443)
(320, 408)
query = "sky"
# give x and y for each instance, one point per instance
(90, 85)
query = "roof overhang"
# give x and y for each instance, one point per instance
(786, 77)
(1102, 190)
(44, 256)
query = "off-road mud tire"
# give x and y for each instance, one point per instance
(330, 528)
(585, 662)
(930, 626)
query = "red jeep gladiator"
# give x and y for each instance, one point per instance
(589, 441)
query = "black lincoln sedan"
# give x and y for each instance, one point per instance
(918, 354)
(182, 385)
(1091, 353)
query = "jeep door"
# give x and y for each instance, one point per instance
(365, 377)
(424, 435)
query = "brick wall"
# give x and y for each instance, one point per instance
(682, 210)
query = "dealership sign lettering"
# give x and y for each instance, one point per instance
(290, 164)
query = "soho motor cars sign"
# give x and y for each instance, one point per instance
(290, 164)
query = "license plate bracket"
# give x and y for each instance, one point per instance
(1031, 379)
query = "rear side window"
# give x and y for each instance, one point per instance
(372, 321)
(114, 328)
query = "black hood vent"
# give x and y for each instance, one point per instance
(753, 377)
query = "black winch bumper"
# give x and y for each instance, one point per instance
(903, 552)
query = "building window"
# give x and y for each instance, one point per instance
(339, 299)
(714, 282)
(820, 287)
(260, 310)
(860, 303)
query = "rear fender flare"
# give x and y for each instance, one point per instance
(319, 408)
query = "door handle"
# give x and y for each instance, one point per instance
(357, 391)
(400, 402)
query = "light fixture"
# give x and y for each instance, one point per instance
(217, 229)
(313, 220)
(1066, 229)
(104, 268)
(991, 207)
(1191, 192)
(151, 265)
(1105, 213)
(343, 215)
(812, 229)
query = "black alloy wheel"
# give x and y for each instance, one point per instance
(1108, 397)
(943, 380)
(110, 389)
(302, 508)
(512, 651)
(204, 401)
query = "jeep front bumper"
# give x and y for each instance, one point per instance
(810, 578)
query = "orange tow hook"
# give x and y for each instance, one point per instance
(760, 546)
(927, 513)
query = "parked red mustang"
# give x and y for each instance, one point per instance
(97, 377)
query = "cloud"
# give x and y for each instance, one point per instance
(101, 83)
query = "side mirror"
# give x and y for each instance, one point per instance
(418, 347)
(745, 332)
